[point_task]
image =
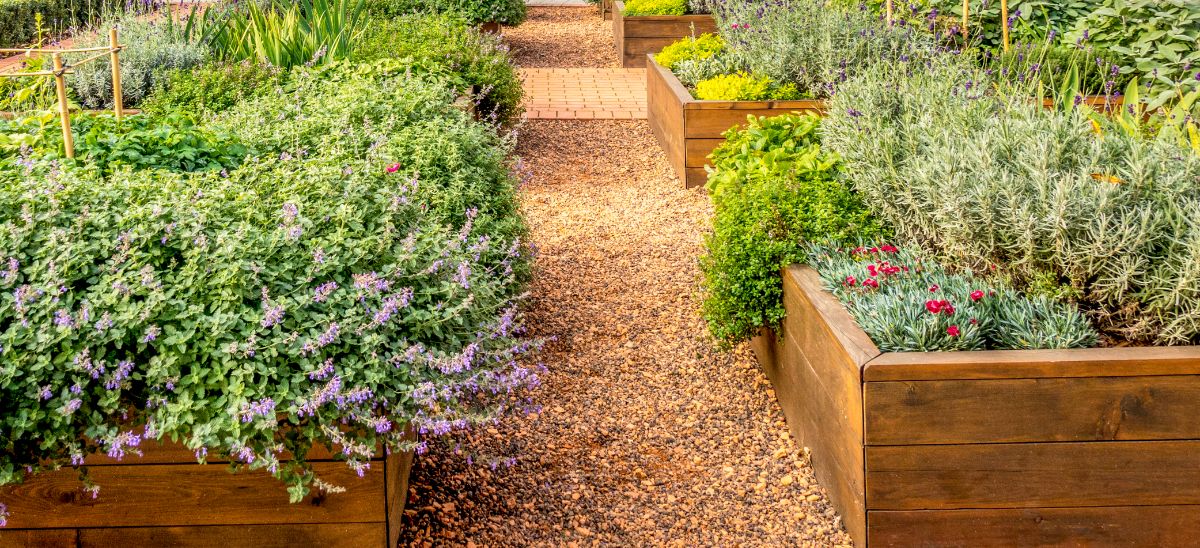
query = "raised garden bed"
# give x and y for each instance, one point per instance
(998, 448)
(689, 129)
(638, 36)
(165, 499)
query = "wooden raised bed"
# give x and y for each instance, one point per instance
(1097, 447)
(165, 499)
(689, 130)
(638, 36)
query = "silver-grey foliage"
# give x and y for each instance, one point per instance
(151, 50)
(988, 181)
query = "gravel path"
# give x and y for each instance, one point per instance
(649, 435)
(563, 38)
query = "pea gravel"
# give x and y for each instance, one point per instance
(648, 435)
(563, 38)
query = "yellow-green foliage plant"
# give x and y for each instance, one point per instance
(636, 8)
(743, 87)
(692, 48)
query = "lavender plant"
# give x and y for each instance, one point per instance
(907, 304)
(991, 180)
(806, 43)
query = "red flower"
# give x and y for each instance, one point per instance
(953, 331)
(850, 281)
(874, 250)
(870, 282)
(889, 249)
(947, 308)
(933, 288)
(393, 168)
(933, 306)
(974, 321)
(976, 295)
(872, 270)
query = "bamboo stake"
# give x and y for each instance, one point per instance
(1004, 21)
(118, 103)
(966, 21)
(64, 110)
(889, 12)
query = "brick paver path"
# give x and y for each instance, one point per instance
(585, 93)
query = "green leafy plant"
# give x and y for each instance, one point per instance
(212, 88)
(507, 12)
(354, 282)
(23, 22)
(284, 34)
(636, 8)
(909, 304)
(773, 190)
(743, 87)
(446, 47)
(692, 48)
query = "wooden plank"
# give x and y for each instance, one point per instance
(1033, 410)
(665, 115)
(347, 535)
(1033, 475)
(853, 340)
(808, 400)
(697, 150)
(38, 538)
(818, 383)
(713, 123)
(1032, 364)
(171, 494)
(671, 27)
(802, 105)
(1036, 527)
(765, 347)
(398, 469)
(618, 22)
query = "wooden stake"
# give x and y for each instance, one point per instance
(966, 21)
(1004, 21)
(889, 12)
(64, 110)
(118, 102)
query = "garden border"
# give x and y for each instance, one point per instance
(166, 498)
(1052, 447)
(689, 129)
(639, 36)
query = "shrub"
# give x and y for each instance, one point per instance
(23, 22)
(692, 48)
(773, 189)
(985, 180)
(212, 88)
(810, 45)
(507, 12)
(907, 304)
(151, 51)
(318, 297)
(350, 120)
(635, 8)
(445, 46)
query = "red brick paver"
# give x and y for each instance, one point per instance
(584, 93)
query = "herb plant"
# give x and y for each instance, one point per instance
(774, 189)
(636, 8)
(506, 12)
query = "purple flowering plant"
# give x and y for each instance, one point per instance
(311, 297)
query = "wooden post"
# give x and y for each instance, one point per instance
(64, 110)
(1004, 21)
(889, 12)
(115, 57)
(966, 21)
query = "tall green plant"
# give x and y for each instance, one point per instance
(308, 32)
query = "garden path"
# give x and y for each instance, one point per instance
(648, 434)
